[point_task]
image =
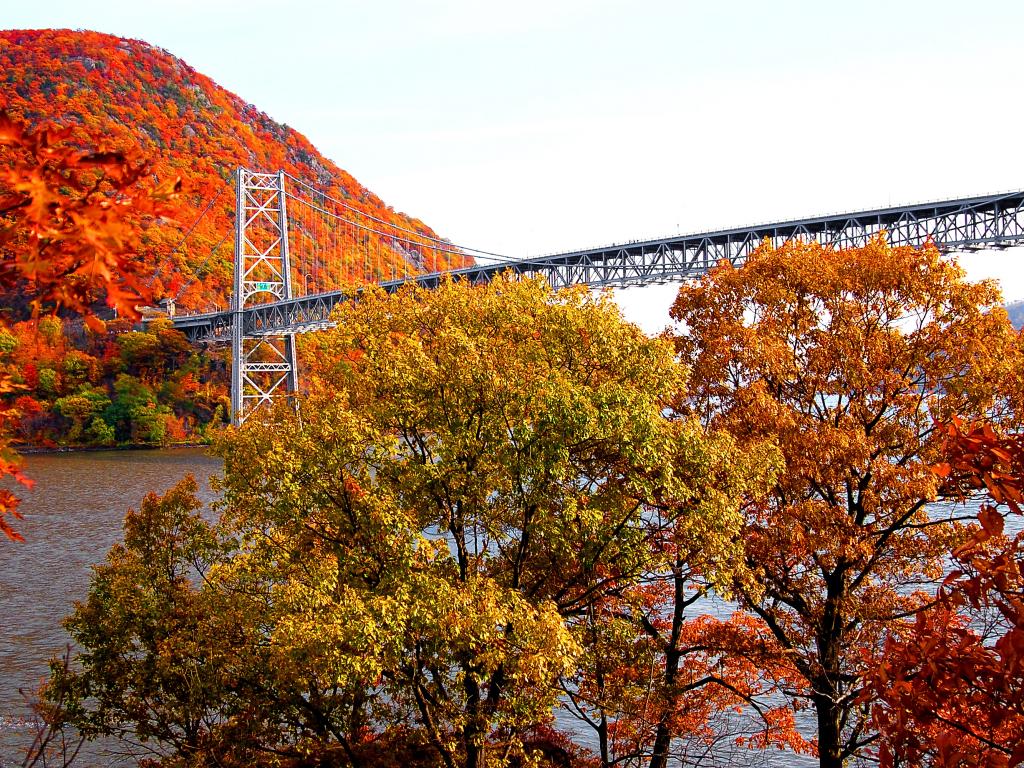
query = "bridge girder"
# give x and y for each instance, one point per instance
(262, 267)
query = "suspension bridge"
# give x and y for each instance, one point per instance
(288, 233)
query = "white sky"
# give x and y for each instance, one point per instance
(535, 126)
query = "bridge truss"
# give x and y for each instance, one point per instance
(261, 365)
(262, 329)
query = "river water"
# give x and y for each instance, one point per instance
(72, 517)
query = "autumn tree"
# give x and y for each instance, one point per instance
(66, 240)
(950, 692)
(660, 680)
(848, 359)
(402, 565)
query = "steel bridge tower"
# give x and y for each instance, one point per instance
(261, 364)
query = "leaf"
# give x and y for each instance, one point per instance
(991, 520)
(96, 325)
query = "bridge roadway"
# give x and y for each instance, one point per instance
(990, 221)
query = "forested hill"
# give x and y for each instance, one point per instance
(76, 386)
(138, 97)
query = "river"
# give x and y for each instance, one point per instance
(72, 517)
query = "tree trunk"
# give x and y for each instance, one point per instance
(673, 656)
(602, 740)
(472, 733)
(829, 736)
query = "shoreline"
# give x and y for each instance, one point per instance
(36, 450)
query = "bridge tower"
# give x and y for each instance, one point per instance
(263, 366)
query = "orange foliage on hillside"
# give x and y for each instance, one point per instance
(146, 102)
(96, 132)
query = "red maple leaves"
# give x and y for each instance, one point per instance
(68, 237)
(71, 221)
(952, 693)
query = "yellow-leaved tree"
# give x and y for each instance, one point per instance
(403, 566)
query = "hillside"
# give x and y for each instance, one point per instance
(74, 385)
(136, 96)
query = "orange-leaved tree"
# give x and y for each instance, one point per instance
(69, 224)
(848, 359)
(660, 681)
(951, 693)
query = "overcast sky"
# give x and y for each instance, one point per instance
(536, 126)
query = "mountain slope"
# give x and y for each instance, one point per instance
(139, 97)
(76, 386)
(1016, 312)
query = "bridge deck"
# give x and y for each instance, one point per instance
(990, 221)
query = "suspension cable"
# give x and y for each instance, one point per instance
(191, 229)
(202, 266)
(433, 242)
(371, 217)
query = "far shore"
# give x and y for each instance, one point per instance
(42, 449)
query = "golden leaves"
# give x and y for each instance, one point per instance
(470, 469)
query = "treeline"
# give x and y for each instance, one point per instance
(73, 386)
(488, 534)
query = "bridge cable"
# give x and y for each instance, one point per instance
(345, 205)
(203, 265)
(444, 245)
(191, 229)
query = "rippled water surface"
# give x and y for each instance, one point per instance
(72, 517)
